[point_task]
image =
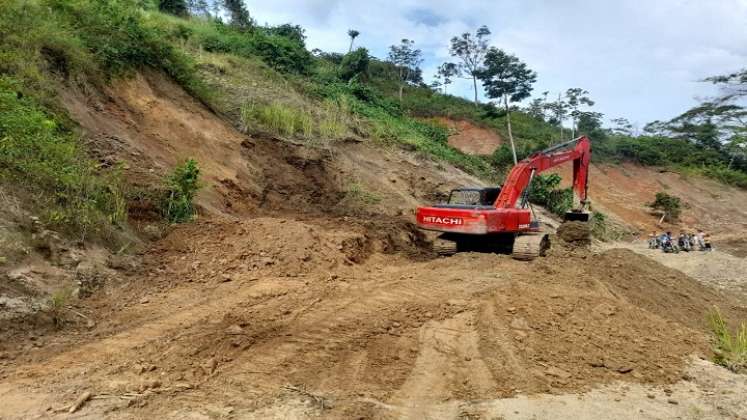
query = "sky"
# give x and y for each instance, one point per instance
(642, 60)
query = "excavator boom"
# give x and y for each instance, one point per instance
(521, 175)
(509, 216)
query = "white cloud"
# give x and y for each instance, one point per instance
(640, 59)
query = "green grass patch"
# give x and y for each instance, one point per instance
(330, 121)
(730, 349)
(38, 154)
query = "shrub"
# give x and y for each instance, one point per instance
(355, 65)
(729, 350)
(726, 175)
(669, 204)
(56, 305)
(182, 186)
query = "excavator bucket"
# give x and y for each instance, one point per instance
(576, 216)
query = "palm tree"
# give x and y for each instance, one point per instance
(352, 33)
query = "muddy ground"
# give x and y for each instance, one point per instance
(298, 318)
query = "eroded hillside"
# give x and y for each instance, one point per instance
(302, 289)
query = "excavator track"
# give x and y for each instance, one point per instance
(444, 247)
(529, 246)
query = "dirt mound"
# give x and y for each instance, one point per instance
(469, 138)
(575, 233)
(273, 307)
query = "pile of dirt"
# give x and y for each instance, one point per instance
(215, 251)
(575, 233)
(260, 307)
(304, 280)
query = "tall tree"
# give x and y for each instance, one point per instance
(507, 79)
(471, 50)
(352, 33)
(174, 7)
(733, 86)
(406, 59)
(577, 98)
(239, 15)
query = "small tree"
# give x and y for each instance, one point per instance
(507, 79)
(559, 112)
(622, 127)
(577, 97)
(239, 15)
(352, 33)
(538, 107)
(669, 204)
(471, 50)
(406, 58)
(174, 7)
(446, 72)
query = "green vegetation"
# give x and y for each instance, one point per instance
(730, 349)
(182, 186)
(669, 204)
(545, 191)
(39, 154)
(330, 122)
(56, 305)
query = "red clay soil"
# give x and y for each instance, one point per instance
(469, 138)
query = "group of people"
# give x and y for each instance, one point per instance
(686, 241)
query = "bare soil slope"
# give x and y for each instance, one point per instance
(471, 139)
(150, 124)
(625, 190)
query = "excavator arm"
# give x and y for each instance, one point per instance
(577, 150)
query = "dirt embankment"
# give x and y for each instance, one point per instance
(469, 138)
(624, 191)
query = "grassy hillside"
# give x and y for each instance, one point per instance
(262, 78)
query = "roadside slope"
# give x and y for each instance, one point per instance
(624, 191)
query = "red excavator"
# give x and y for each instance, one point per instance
(500, 219)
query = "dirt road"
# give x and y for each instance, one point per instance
(285, 318)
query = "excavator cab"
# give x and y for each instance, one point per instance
(471, 198)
